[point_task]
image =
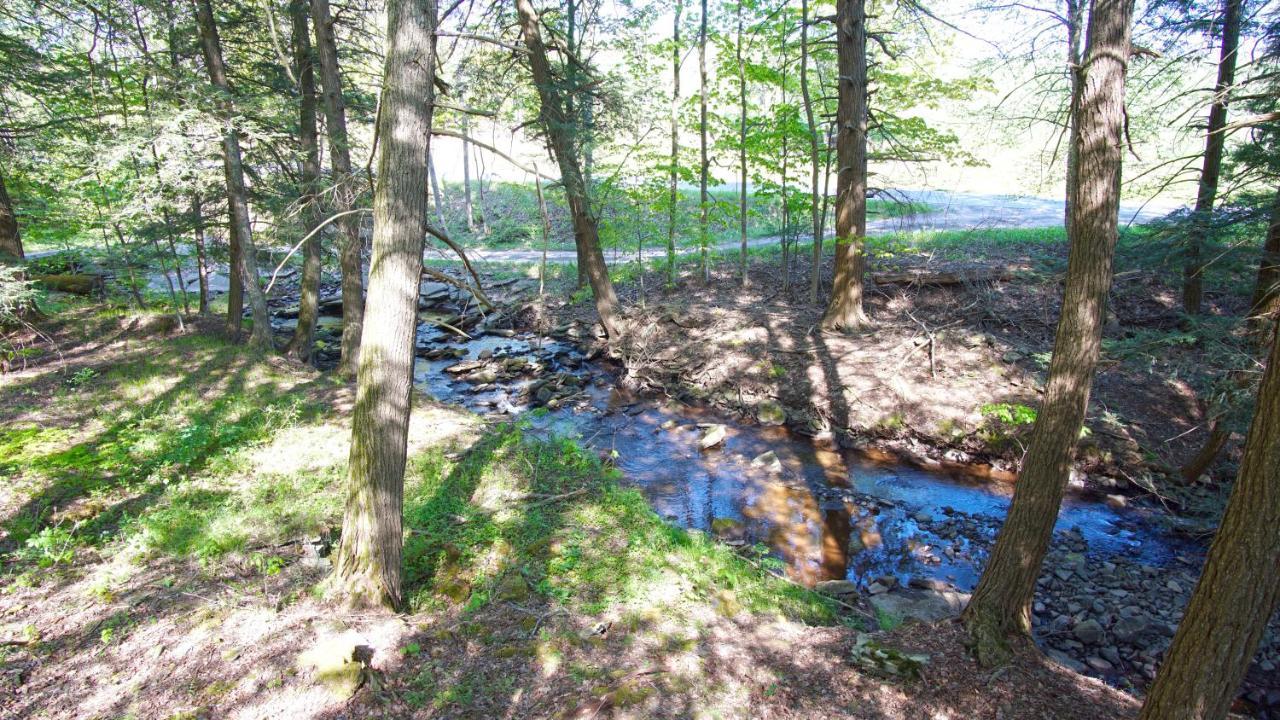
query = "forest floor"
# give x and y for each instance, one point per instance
(170, 502)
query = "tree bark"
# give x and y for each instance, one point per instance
(845, 313)
(559, 124)
(367, 570)
(246, 264)
(815, 278)
(351, 255)
(10, 237)
(1215, 140)
(304, 334)
(1001, 604)
(704, 164)
(1265, 303)
(1239, 587)
(675, 145)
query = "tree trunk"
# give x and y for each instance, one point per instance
(742, 149)
(845, 313)
(704, 164)
(675, 145)
(304, 334)
(1001, 604)
(202, 258)
(367, 570)
(10, 237)
(351, 255)
(1215, 139)
(466, 178)
(1266, 293)
(436, 195)
(815, 279)
(786, 152)
(558, 125)
(246, 265)
(1075, 27)
(1239, 587)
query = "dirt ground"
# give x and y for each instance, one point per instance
(180, 638)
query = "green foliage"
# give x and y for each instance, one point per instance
(54, 545)
(1009, 413)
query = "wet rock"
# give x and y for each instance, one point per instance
(1098, 663)
(914, 605)
(712, 435)
(770, 412)
(1089, 631)
(767, 460)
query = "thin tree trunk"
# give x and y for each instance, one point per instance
(10, 237)
(246, 265)
(786, 151)
(351, 254)
(1075, 30)
(1239, 587)
(558, 125)
(202, 260)
(466, 177)
(675, 145)
(367, 570)
(742, 149)
(704, 164)
(480, 173)
(815, 279)
(845, 312)
(300, 346)
(1215, 140)
(546, 233)
(436, 195)
(1001, 604)
(1266, 292)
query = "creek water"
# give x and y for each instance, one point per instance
(825, 512)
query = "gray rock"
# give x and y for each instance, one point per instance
(916, 605)
(1130, 628)
(1065, 660)
(836, 588)
(1098, 663)
(770, 412)
(1110, 654)
(1088, 631)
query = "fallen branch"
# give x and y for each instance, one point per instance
(945, 277)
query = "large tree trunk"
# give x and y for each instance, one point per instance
(350, 258)
(367, 570)
(559, 125)
(815, 278)
(309, 301)
(1239, 587)
(1266, 293)
(845, 312)
(675, 145)
(1001, 604)
(1215, 139)
(243, 251)
(10, 237)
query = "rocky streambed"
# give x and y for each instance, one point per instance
(906, 542)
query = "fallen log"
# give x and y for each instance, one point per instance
(79, 284)
(943, 277)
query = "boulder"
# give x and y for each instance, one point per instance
(917, 605)
(836, 588)
(712, 435)
(770, 412)
(1089, 631)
